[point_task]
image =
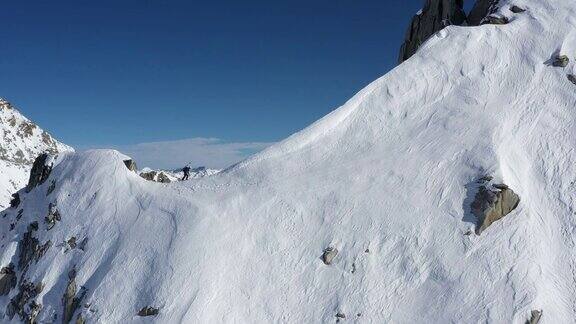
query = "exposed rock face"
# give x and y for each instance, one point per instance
(148, 311)
(29, 248)
(435, 15)
(40, 171)
(150, 176)
(163, 178)
(15, 202)
(493, 203)
(495, 20)
(481, 10)
(71, 299)
(24, 304)
(53, 216)
(7, 279)
(572, 78)
(561, 61)
(329, 255)
(516, 9)
(131, 165)
(535, 317)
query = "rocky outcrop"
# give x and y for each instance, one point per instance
(15, 202)
(131, 165)
(481, 10)
(495, 20)
(7, 279)
(515, 9)
(163, 178)
(30, 249)
(329, 255)
(40, 171)
(535, 317)
(492, 203)
(561, 61)
(572, 78)
(71, 299)
(23, 304)
(435, 15)
(52, 217)
(155, 176)
(148, 311)
(150, 176)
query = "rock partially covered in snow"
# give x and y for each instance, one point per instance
(131, 165)
(7, 279)
(481, 10)
(40, 170)
(148, 311)
(561, 61)
(435, 15)
(329, 254)
(492, 203)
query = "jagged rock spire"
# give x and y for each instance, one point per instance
(435, 15)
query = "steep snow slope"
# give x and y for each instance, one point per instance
(387, 179)
(21, 141)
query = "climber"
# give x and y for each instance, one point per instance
(186, 171)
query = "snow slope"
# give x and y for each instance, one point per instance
(21, 141)
(387, 179)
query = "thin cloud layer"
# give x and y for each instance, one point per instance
(209, 152)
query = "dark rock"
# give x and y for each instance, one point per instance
(572, 78)
(24, 304)
(15, 202)
(492, 204)
(33, 226)
(329, 255)
(130, 164)
(30, 249)
(481, 10)
(8, 279)
(561, 61)
(535, 317)
(82, 245)
(53, 216)
(72, 299)
(148, 311)
(51, 187)
(516, 9)
(495, 20)
(436, 15)
(340, 315)
(72, 242)
(40, 171)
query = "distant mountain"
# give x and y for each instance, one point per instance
(175, 175)
(21, 141)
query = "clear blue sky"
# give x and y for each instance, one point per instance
(123, 72)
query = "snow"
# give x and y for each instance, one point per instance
(384, 179)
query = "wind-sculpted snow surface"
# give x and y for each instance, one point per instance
(385, 181)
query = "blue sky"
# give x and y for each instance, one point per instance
(123, 73)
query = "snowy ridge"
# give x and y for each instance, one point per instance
(386, 180)
(21, 142)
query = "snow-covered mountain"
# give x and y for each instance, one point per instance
(368, 215)
(21, 141)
